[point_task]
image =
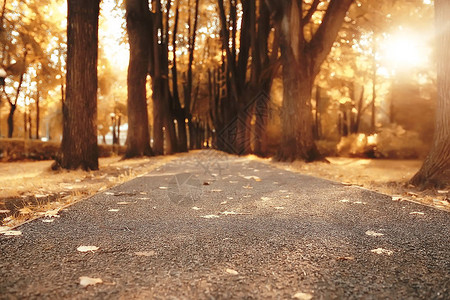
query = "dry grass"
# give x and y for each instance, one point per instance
(29, 189)
(381, 175)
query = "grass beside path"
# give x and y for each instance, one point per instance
(30, 189)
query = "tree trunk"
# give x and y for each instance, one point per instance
(79, 143)
(301, 60)
(435, 171)
(38, 115)
(10, 120)
(138, 22)
(178, 112)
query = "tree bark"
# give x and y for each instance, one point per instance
(79, 144)
(301, 60)
(38, 114)
(138, 23)
(435, 171)
(10, 120)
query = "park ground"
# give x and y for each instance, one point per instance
(31, 189)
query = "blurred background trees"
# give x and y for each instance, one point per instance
(359, 77)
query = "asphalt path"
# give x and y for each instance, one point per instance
(213, 226)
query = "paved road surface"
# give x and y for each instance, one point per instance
(210, 226)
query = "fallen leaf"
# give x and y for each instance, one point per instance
(227, 213)
(113, 210)
(230, 198)
(256, 178)
(196, 208)
(344, 200)
(205, 183)
(163, 188)
(302, 296)
(4, 211)
(416, 213)
(4, 228)
(232, 272)
(87, 248)
(210, 216)
(279, 207)
(145, 253)
(373, 233)
(12, 232)
(382, 251)
(223, 202)
(86, 281)
(266, 198)
(48, 220)
(53, 213)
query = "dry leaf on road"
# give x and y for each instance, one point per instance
(232, 272)
(87, 248)
(210, 216)
(52, 213)
(12, 232)
(382, 251)
(302, 296)
(373, 233)
(86, 281)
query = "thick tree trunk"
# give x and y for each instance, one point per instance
(138, 22)
(435, 171)
(79, 143)
(301, 60)
(297, 139)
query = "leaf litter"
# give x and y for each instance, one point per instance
(302, 296)
(373, 233)
(87, 248)
(232, 272)
(382, 251)
(87, 281)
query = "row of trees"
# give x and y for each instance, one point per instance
(214, 81)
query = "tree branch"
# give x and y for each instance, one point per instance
(323, 39)
(310, 12)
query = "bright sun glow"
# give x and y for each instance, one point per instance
(110, 36)
(405, 50)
